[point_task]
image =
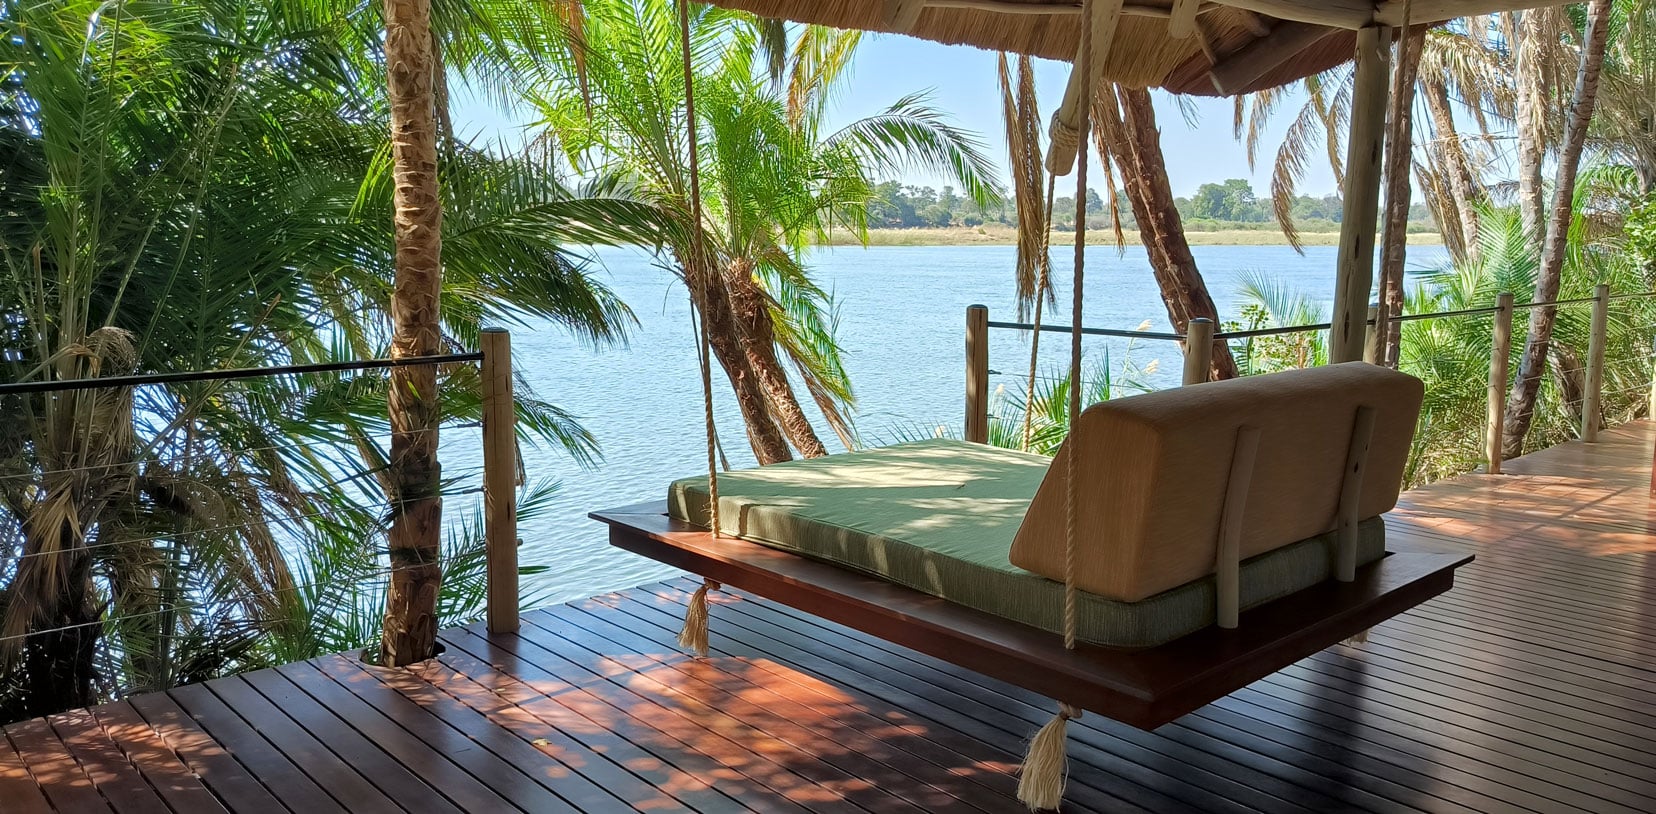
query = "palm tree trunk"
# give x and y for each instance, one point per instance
(59, 662)
(758, 337)
(1463, 186)
(1521, 401)
(1130, 134)
(1398, 164)
(724, 336)
(410, 633)
(1531, 108)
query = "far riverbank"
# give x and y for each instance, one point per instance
(998, 235)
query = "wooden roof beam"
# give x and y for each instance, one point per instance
(1357, 14)
(1061, 10)
(1390, 12)
(1181, 20)
(900, 15)
(1259, 57)
(1351, 14)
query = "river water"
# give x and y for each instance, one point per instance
(902, 316)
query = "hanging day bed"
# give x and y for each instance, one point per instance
(1223, 531)
(1181, 544)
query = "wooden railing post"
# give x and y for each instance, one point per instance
(1198, 350)
(500, 467)
(977, 374)
(1500, 356)
(1595, 364)
(1373, 336)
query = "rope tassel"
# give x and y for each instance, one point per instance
(693, 636)
(1046, 765)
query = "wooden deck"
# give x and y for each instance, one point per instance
(1529, 687)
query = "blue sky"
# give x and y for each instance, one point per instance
(962, 81)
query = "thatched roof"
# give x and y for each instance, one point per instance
(1233, 47)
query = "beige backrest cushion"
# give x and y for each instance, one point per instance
(1154, 467)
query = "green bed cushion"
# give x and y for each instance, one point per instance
(939, 516)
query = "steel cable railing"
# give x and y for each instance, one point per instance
(1597, 370)
(334, 463)
(174, 458)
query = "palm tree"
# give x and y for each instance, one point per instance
(775, 181)
(416, 476)
(206, 185)
(1127, 132)
(1521, 402)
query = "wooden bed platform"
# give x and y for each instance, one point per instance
(1145, 688)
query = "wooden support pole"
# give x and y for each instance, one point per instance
(1374, 336)
(1062, 145)
(1228, 569)
(1592, 399)
(1500, 359)
(1351, 492)
(1198, 350)
(977, 374)
(1360, 219)
(500, 469)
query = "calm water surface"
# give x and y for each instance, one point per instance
(902, 314)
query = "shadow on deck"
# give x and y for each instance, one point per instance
(1529, 687)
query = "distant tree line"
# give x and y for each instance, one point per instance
(1231, 203)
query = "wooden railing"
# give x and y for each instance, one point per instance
(499, 444)
(1198, 343)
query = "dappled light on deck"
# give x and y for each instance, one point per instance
(1525, 688)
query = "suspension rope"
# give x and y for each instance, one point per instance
(703, 268)
(1071, 473)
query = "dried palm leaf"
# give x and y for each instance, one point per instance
(1022, 117)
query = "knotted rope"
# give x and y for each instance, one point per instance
(1065, 139)
(693, 636)
(1046, 765)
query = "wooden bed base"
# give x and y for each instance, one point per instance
(1145, 688)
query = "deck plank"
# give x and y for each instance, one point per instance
(544, 672)
(883, 788)
(616, 766)
(17, 786)
(181, 788)
(105, 765)
(448, 728)
(1525, 689)
(276, 749)
(396, 765)
(65, 783)
(208, 756)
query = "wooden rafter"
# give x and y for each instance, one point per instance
(1254, 60)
